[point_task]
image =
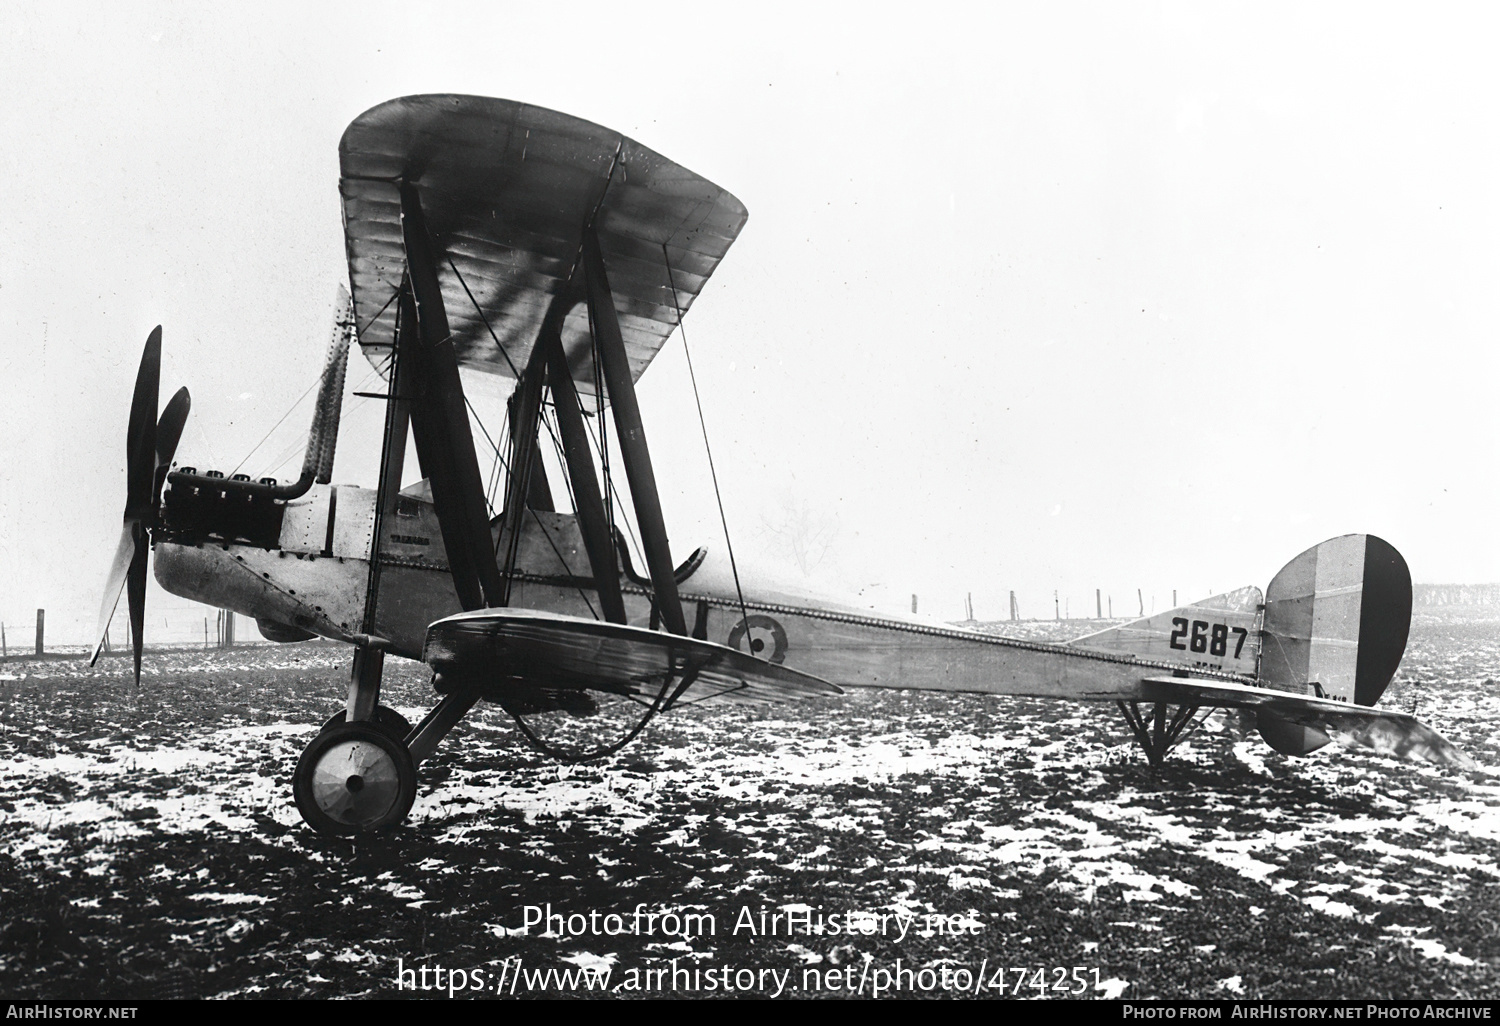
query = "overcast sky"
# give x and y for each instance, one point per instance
(1054, 296)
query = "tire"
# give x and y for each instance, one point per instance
(352, 779)
(386, 719)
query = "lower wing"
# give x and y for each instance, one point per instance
(567, 652)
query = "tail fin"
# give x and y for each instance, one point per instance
(1337, 619)
(1336, 624)
(1218, 633)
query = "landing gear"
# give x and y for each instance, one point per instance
(354, 778)
(1158, 729)
(385, 718)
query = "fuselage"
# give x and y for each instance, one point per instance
(313, 579)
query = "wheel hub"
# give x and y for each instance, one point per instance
(356, 782)
(354, 778)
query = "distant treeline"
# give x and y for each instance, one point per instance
(1456, 594)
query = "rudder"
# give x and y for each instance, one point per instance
(1336, 621)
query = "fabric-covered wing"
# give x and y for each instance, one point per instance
(1392, 733)
(558, 651)
(507, 190)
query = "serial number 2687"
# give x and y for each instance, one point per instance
(1203, 636)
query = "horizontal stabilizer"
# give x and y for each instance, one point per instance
(1390, 733)
(491, 646)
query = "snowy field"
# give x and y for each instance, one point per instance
(149, 846)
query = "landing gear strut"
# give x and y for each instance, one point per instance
(1159, 728)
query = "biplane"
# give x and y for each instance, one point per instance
(505, 239)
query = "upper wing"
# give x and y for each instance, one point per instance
(507, 190)
(558, 651)
(1390, 732)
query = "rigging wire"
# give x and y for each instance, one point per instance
(295, 403)
(480, 311)
(682, 330)
(661, 698)
(360, 333)
(485, 431)
(300, 444)
(601, 446)
(494, 477)
(545, 533)
(612, 496)
(601, 443)
(496, 339)
(562, 457)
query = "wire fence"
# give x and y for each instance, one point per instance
(168, 625)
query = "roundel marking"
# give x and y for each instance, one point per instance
(762, 633)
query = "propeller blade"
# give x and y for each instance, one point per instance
(140, 439)
(135, 594)
(114, 584)
(168, 433)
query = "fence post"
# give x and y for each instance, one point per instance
(41, 620)
(1141, 600)
(229, 628)
(1098, 605)
(205, 632)
(4, 649)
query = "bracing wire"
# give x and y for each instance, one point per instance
(496, 339)
(295, 403)
(601, 443)
(612, 497)
(299, 445)
(702, 423)
(485, 431)
(601, 446)
(562, 460)
(545, 533)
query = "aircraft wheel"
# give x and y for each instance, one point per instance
(386, 719)
(354, 779)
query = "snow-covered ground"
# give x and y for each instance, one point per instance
(149, 845)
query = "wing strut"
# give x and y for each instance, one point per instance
(586, 496)
(525, 413)
(632, 436)
(426, 392)
(440, 424)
